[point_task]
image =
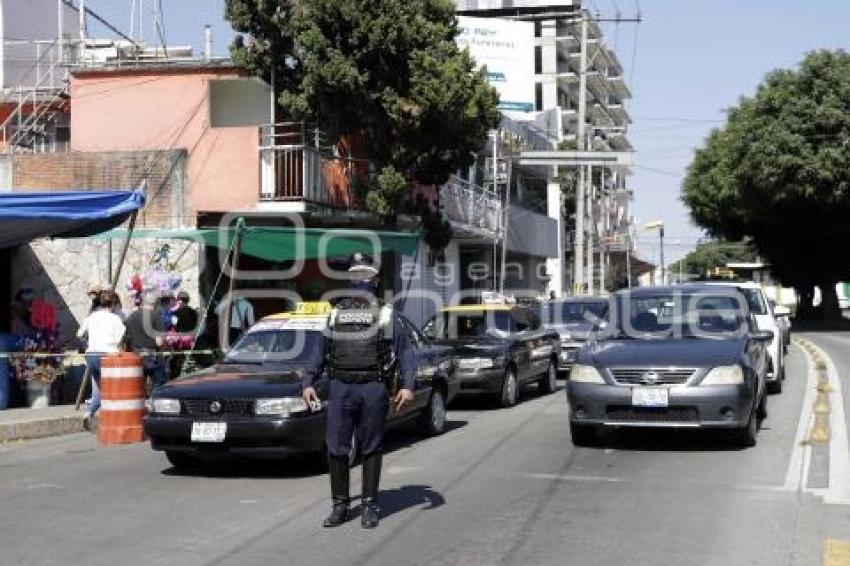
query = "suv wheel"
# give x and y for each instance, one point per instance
(433, 419)
(547, 383)
(584, 435)
(510, 389)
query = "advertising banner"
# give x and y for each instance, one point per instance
(506, 48)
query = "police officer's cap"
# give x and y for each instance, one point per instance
(362, 266)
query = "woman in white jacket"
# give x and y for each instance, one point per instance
(105, 332)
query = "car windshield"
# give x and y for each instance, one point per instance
(470, 324)
(677, 315)
(572, 312)
(755, 301)
(287, 346)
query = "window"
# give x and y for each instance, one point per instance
(538, 60)
(538, 96)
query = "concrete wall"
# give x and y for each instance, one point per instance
(159, 109)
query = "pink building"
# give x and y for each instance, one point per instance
(161, 108)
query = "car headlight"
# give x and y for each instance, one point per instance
(477, 363)
(585, 374)
(166, 406)
(724, 375)
(282, 407)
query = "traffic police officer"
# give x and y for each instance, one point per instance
(363, 353)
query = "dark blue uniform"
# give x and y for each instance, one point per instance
(361, 402)
(363, 348)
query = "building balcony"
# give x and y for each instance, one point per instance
(298, 172)
(473, 211)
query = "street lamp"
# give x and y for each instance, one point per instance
(659, 225)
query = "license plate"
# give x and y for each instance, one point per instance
(650, 397)
(208, 432)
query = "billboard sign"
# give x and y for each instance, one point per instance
(472, 5)
(506, 48)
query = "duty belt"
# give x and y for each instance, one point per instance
(357, 376)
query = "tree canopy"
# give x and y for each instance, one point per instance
(388, 71)
(779, 172)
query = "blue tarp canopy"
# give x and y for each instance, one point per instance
(27, 216)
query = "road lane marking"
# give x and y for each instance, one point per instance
(836, 552)
(838, 490)
(839, 447)
(798, 464)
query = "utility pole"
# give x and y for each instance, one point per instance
(578, 255)
(591, 228)
(603, 215)
(496, 195)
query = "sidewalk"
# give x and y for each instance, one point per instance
(18, 424)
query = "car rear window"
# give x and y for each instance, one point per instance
(470, 324)
(755, 301)
(673, 314)
(574, 312)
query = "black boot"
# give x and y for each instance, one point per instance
(338, 471)
(369, 502)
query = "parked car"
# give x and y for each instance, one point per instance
(575, 319)
(499, 348)
(250, 403)
(759, 306)
(683, 356)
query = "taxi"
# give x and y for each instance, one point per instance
(500, 348)
(250, 403)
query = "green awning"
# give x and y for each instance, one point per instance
(282, 244)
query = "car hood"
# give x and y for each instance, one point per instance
(474, 347)
(682, 353)
(236, 381)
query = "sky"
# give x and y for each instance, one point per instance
(686, 62)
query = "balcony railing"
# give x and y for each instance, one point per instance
(297, 164)
(471, 208)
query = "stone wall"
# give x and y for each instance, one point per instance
(63, 270)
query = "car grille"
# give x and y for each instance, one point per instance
(652, 415)
(229, 407)
(665, 376)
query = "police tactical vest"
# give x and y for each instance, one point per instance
(358, 349)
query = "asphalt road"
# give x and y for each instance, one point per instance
(502, 487)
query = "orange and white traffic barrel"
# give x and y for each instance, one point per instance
(122, 392)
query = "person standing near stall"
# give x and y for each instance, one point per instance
(363, 352)
(144, 336)
(105, 331)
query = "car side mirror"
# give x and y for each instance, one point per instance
(780, 310)
(762, 335)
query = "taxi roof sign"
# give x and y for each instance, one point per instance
(313, 308)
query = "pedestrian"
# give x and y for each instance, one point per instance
(187, 316)
(241, 317)
(105, 331)
(144, 336)
(363, 352)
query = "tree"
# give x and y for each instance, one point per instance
(709, 255)
(388, 71)
(779, 172)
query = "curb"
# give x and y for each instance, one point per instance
(41, 428)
